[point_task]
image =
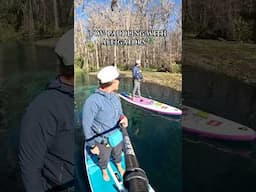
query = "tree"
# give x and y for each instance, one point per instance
(144, 15)
(36, 18)
(56, 16)
(216, 19)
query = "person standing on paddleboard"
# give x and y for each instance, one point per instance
(47, 129)
(102, 118)
(137, 78)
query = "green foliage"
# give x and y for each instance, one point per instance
(150, 69)
(220, 20)
(15, 17)
(123, 67)
(176, 68)
(242, 29)
(90, 46)
(79, 61)
(92, 68)
(150, 40)
(78, 70)
(7, 32)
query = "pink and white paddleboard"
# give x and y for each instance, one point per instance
(209, 125)
(151, 105)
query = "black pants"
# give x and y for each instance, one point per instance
(106, 152)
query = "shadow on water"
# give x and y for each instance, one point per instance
(157, 141)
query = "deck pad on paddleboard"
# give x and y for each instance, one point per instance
(96, 181)
(151, 105)
(203, 123)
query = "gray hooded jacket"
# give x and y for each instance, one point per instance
(47, 139)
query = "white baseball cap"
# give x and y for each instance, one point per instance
(107, 74)
(138, 61)
(65, 48)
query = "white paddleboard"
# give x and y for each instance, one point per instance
(209, 125)
(151, 105)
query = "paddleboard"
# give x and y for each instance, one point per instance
(209, 125)
(96, 181)
(151, 105)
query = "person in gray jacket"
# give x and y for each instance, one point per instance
(137, 78)
(102, 118)
(47, 130)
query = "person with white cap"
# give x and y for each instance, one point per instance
(47, 131)
(137, 78)
(102, 118)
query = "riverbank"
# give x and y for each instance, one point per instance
(171, 80)
(46, 42)
(234, 59)
(10, 35)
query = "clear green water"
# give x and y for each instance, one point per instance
(170, 159)
(157, 141)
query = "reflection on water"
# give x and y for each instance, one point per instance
(157, 141)
(19, 58)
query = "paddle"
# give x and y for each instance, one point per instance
(135, 179)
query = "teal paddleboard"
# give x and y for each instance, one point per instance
(94, 174)
(96, 181)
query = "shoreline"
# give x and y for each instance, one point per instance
(229, 58)
(46, 42)
(171, 80)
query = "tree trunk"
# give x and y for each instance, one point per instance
(154, 55)
(86, 61)
(170, 52)
(97, 56)
(31, 19)
(56, 17)
(124, 57)
(115, 56)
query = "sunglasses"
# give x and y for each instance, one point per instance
(118, 78)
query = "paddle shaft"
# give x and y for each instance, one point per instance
(135, 179)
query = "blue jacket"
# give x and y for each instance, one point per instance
(47, 139)
(136, 73)
(101, 112)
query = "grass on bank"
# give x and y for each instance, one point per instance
(172, 80)
(235, 59)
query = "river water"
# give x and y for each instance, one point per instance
(157, 140)
(174, 161)
(212, 165)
